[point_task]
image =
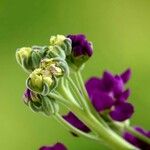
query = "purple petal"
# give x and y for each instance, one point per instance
(46, 148)
(108, 81)
(118, 85)
(131, 139)
(92, 84)
(88, 49)
(57, 146)
(101, 100)
(122, 112)
(135, 141)
(126, 75)
(124, 96)
(77, 51)
(27, 93)
(148, 134)
(27, 96)
(141, 130)
(80, 45)
(73, 120)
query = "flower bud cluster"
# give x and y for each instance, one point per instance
(47, 64)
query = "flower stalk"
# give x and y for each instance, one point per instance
(98, 109)
(115, 141)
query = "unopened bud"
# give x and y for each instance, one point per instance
(30, 58)
(39, 103)
(41, 81)
(82, 50)
(63, 42)
(56, 66)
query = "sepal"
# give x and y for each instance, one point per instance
(62, 41)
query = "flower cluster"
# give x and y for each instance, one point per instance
(98, 109)
(109, 93)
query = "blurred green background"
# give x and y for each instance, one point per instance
(120, 31)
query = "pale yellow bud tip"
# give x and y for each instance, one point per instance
(57, 40)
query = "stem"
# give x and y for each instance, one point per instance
(73, 129)
(78, 95)
(66, 92)
(108, 136)
(114, 140)
(81, 86)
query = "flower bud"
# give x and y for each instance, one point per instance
(29, 58)
(82, 50)
(56, 66)
(55, 51)
(22, 56)
(41, 81)
(39, 103)
(33, 100)
(63, 42)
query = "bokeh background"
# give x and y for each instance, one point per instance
(120, 31)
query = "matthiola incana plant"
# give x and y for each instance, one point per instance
(98, 109)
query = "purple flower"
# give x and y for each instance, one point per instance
(137, 142)
(73, 120)
(81, 50)
(57, 146)
(109, 93)
(80, 45)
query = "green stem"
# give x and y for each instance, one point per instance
(108, 136)
(81, 86)
(73, 129)
(66, 92)
(78, 95)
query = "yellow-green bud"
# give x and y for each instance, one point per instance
(23, 54)
(37, 79)
(57, 40)
(30, 58)
(63, 42)
(41, 81)
(48, 80)
(56, 66)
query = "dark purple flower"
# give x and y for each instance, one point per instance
(137, 142)
(81, 50)
(57, 146)
(109, 93)
(80, 45)
(73, 120)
